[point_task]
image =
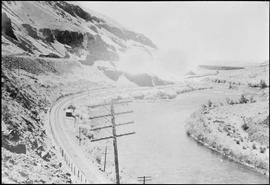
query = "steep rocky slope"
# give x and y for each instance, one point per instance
(63, 30)
(28, 90)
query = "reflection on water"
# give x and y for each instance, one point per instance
(161, 149)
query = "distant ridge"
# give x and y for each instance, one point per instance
(190, 73)
(213, 67)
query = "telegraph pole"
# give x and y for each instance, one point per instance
(115, 146)
(144, 179)
(18, 67)
(80, 135)
(105, 159)
(75, 119)
(114, 134)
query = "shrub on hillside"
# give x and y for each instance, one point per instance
(262, 165)
(230, 86)
(254, 146)
(262, 150)
(254, 85)
(209, 103)
(243, 99)
(219, 81)
(262, 84)
(230, 101)
(71, 107)
(245, 127)
(98, 159)
(204, 108)
(252, 100)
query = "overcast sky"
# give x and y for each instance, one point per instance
(197, 32)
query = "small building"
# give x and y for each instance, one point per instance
(69, 113)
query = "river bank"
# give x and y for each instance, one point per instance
(239, 132)
(264, 172)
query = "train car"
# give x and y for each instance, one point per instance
(69, 113)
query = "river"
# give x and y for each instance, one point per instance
(161, 149)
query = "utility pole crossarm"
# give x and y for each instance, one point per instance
(144, 177)
(127, 112)
(110, 137)
(104, 104)
(100, 116)
(99, 128)
(107, 115)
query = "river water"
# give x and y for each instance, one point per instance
(161, 149)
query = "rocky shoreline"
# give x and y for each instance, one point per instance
(226, 135)
(264, 172)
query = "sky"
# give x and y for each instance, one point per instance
(192, 33)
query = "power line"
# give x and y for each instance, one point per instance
(114, 134)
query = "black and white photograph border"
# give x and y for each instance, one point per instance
(142, 92)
